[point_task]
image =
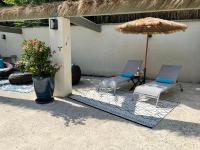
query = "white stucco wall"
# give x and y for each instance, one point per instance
(13, 42)
(11, 45)
(40, 33)
(107, 52)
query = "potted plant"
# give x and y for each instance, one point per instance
(37, 59)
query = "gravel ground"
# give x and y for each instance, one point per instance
(68, 125)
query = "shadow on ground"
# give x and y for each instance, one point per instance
(78, 114)
(191, 96)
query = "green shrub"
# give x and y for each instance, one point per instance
(37, 59)
(23, 2)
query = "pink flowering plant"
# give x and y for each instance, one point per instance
(37, 59)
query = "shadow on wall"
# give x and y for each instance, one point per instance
(77, 115)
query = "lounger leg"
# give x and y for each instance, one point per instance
(181, 87)
(132, 80)
(132, 88)
(99, 87)
(157, 100)
(133, 98)
(114, 91)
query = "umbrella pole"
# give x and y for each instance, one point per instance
(145, 62)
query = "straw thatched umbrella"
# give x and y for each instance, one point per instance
(150, 26)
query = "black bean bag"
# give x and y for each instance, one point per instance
(76, 74)
(5, 72)
(20, 78)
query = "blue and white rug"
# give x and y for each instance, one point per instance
(6, 86)
(142, 112)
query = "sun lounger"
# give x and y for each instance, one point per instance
(126, 76)
(165, 80)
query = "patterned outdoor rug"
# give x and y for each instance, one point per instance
(142, 112)
(6, 86)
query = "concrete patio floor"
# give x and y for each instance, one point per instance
(66, 124)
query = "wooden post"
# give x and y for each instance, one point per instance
(146, 55)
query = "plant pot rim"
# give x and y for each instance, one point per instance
(43, 76)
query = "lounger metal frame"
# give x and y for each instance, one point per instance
(167, 88)
(158, 97)
(128, 68)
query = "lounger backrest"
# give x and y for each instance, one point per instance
(132, 66)
(169, 72)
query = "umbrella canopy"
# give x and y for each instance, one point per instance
(150, 26)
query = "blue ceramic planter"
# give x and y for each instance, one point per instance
(44, 89)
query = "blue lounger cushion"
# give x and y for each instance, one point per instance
(126, 74)
(164, 80)
(1, 64)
